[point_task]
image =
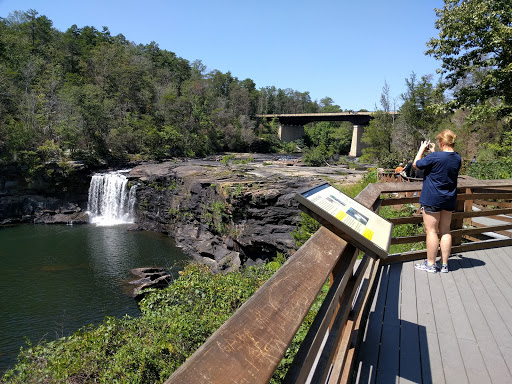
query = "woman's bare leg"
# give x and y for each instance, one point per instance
(431, 221)
(446, 236)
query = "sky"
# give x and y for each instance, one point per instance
(345, 50)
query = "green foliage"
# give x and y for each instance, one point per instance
(174, 322)
(394, 137)
(227, 158)
(50, 151)
(294, 146)
(237, 191)
(317, 156)
(401, 230)
(101, 98)
(217, 216)
(504, 147)
(474, 44)
(305, 230)
(391, 161)
(353, 190)
(378, 136)
(491, 169)
(335, 137)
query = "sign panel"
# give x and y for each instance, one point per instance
(347, 218)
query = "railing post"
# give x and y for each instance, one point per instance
(458, 223)
(468, 207)
(340, 268)
(462, 206)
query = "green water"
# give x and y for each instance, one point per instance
(56, 279)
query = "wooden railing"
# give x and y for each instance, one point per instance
(477, 199)
(250, 345)
(390, 176)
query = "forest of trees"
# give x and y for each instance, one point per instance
(86, 95)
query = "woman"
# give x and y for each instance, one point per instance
(438, 197)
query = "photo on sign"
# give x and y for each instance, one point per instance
(358, 216)
(332, 199)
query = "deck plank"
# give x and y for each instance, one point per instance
(473, 362)
(453, 364)
(370, 345)
(431, 363)
(497, 287)
(460, 319)
(507, 355)
(498, 327)
(410, 364)
(389, 362)
(442, 328)
(503, 254)
(496, 367)
(472, 358)
(499, 260)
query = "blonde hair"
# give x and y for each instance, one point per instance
(446, 137)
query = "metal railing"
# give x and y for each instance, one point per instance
(250, 345)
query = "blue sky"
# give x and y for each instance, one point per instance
(342, 49)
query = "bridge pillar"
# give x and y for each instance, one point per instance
(289, 133)
(356, 147)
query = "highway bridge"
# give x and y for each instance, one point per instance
(291, 126)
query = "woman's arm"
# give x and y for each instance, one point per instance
(423, 146)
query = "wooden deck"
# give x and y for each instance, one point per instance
(449, 328)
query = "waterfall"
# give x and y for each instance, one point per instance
(110, 202)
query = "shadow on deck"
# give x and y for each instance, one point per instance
(451, 327)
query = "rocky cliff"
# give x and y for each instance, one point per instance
(56, 194)
(225, 215)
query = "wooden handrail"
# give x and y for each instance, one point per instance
(249, 346)
(463, 220)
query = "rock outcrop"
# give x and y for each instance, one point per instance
(224, 216)
(148, 278)
(57, 195)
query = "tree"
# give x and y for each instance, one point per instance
(327, 105)
(475, 46)
(335, 137)
(379, 133)
(378, 136)
(384, 98)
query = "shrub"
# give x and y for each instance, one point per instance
(317, 156)
(305, 230)
(401, 230)
(491, 169)
(391, 161)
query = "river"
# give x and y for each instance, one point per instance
(56, 279)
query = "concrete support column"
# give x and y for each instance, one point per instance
(289, 133)
(356, 146)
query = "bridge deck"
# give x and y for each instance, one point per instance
(441, 328)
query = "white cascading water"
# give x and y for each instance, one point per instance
(110, 201)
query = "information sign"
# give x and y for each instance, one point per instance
(347, 218)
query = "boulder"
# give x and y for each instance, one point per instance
(148, 278)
